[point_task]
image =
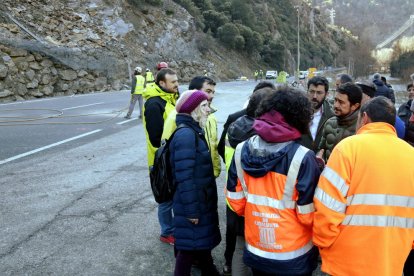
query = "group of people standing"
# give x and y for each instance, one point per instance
(303, 178)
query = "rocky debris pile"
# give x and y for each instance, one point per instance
(55, 47)
(71, 24)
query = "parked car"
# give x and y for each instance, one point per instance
(303, 74)
(271, 74)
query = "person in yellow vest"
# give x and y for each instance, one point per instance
(137, 88)
(207, 85)
(364, 219)
(159, 102)
(149, 77)
(281, 77)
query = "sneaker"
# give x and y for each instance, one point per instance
(227, 270)
(127, 117)
(168, 239)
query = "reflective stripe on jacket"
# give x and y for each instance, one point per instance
(277, 206)
(364, 219)
(139, 85)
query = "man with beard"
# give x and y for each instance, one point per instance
(347, 103)
(160, 101)
(318, 88)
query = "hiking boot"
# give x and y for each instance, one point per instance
(127, 117)
(168, 239)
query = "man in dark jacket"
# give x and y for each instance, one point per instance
(382, 89)
(318, 89)
(404, 113)
(343, 124)
(233, 117)
(160, 101)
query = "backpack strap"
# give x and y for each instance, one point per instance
(182, 125)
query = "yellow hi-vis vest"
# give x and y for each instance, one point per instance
(139, 86)
(149, 77)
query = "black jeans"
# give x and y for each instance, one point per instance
(184, 260)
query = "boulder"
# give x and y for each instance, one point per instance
(33, 84)
(82, 73)
(30, 74)
(100, 83)
(18, 52)
(68, 75)
(46, 79)
(3, 71)
(46, 63)
(34, 65)
(47, 90)
(21, 89)
(6, 93)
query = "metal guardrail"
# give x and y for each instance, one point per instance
(397, 33)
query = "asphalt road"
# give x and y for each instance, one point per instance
(84, 206)
(75, 194)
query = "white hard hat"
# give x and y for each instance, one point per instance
(138, 69)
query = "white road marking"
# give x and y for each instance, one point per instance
(127, 121)
(81, 106)
(47, 147)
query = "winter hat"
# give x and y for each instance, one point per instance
(189, 100)
(367, 88)
(377, 76)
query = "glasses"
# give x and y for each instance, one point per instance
(317, 93)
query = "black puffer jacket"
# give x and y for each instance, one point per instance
(383, 90)
(404, 113)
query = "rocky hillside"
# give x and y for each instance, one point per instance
(65, 47)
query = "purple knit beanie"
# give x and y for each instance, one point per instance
(189, 100)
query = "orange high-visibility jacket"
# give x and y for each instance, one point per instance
(364, 219)
(272, 186)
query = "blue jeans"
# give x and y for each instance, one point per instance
(165, 217)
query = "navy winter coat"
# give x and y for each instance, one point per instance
(196, 191)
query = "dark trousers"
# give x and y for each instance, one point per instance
(184, 260)
(409, 265)
(231, 235)
(260, 273)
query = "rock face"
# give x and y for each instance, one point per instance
(67, 47)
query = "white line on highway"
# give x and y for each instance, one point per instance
(127, 121)
(47, 147)
(81, 106)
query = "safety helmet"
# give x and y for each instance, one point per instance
(162, 65)
(147, 70)
(138, 69)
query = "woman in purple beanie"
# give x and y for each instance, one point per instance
(196, 220)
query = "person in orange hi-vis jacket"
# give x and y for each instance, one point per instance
(271, 182)
(364, 218)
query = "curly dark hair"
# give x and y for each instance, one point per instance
(292, 103)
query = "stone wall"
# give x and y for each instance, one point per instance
(27, 75)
